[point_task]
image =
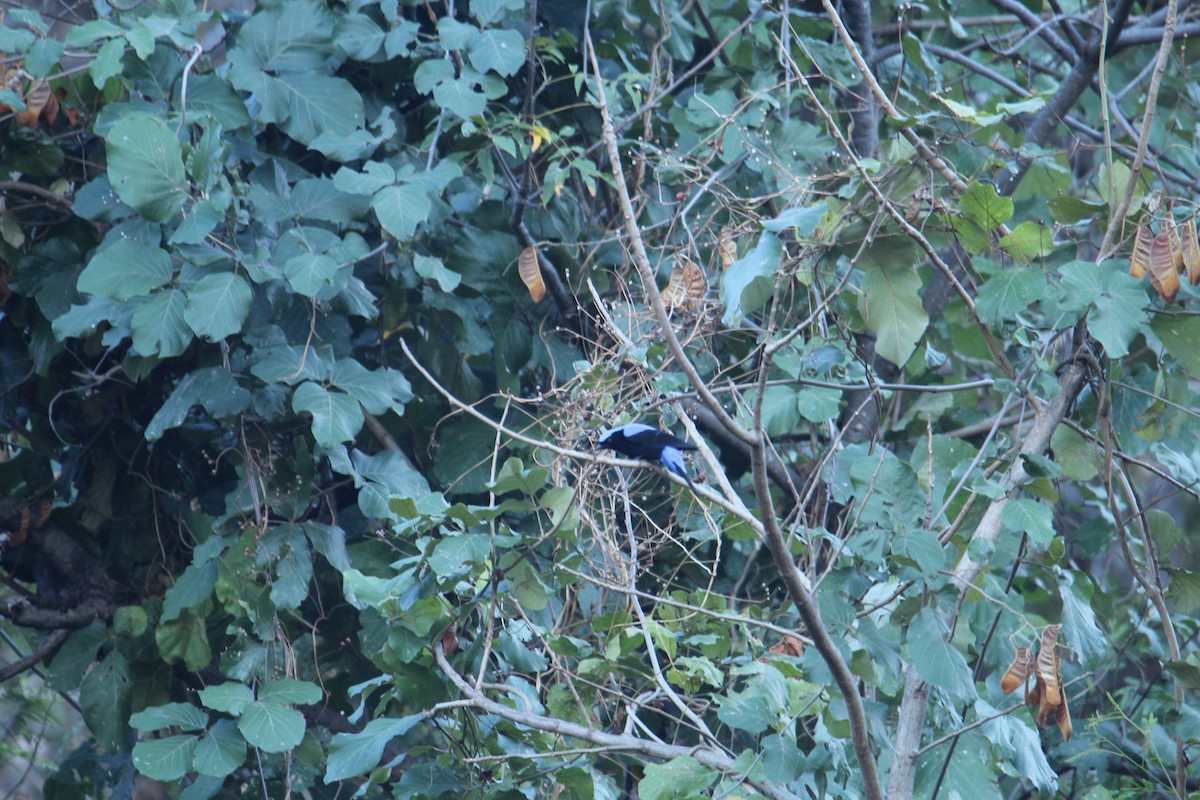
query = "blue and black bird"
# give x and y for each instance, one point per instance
(648, 443)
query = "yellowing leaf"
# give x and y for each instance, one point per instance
(531, 273)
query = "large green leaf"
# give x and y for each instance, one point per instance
(748, 283)
(215, 389)
(158, 325)
(271, 727)
(682, 777)
(1117, 302)
(183, 715)
(337, 417)
(495, 50)
(105, 695)
(217, 305)
(221, 751)
(126, 269)
(936, 660)
(401, 208)
(891, 305)
(1180, 336)
(1029, 516)
(167, 759)
(145, 167)
(353, 754)
(1008, 293)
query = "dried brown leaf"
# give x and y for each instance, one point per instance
(35, 100)
(790, 646)
(1139, 261)
(1063, 717)
(531, 273)
(1018, 672)
(1163, 275)
(727, 246)
(1047, 668)
(1191, 251)
(1176, 247)
(685, 288)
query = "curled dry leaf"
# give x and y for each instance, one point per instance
(790, 646)
(1176, 247)
(1047, 692)
(1047, 665)
(531, 273)
(727, 247)
(1063, 717)
(1139, 262)
(1018, 672)
(1163, 275)
(1191, 251)
(686, 287)
(36, 99)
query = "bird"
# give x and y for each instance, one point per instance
(648, 443)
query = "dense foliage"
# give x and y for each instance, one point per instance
(313, 312)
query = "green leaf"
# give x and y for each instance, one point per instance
(166, 759)
(1029, 241)
(217, 305)
(802, 219)
(920, 548)
(1080, 628)
(819, 404)
(184, 639)
(434, 270)
(337, 417)
(1079, 459)
(373, 389)
(401, 208)
(194, 586)
(936, 660)
(1029, 516)
(271, 727)
(309, 273)
(782, 760)
(107, 62)
(748, 283)
(230, 697)
(1119, 302)
(681, 777)
(1180, 336)
(145, 167)
(158, 325)
(455, 554)
(126, 269)
(984, 206)
(183, 715)
(290, 690)
(1008, 293)
(221, 751)
(459, 96)
(891, 305)
(358, 36)
(306, 105)
(353, 754)
(496, 50)
(215, 389)
(105, 695)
